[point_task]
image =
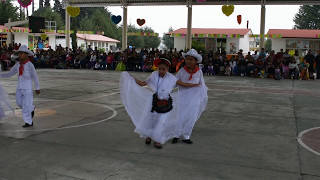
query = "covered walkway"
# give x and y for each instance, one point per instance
(189, 3)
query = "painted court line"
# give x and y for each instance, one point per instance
(299, 139)
(83, 100)
(114, 113)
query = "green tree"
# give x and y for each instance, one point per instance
(98, 19)
(198, 46)
(74, 27)
(50, 15)
(308, 17)
(167, 40)
(267, 45)
(47, 4)
(150, 41)
(7, 10)
(57, 6)
(143, 41)
(136, 41)
(40, 4)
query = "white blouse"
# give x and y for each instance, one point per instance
(164, 85)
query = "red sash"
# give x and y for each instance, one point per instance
(196, 69)
(21, 68)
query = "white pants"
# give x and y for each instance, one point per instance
(24, 99)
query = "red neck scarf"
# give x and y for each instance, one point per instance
(21, 68)
(196, 69)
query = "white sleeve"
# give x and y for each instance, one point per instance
(34, 77)
(13, 71)
(178, 76)
(201, 78)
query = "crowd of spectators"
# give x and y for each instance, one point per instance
(281, 65)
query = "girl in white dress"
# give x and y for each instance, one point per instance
(138, 102)
(191, 101)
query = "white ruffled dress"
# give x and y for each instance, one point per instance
(137, 101)
(5, 106)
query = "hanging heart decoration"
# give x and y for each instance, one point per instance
(73, 11)
(227, 9)
(141, 22)
(292, 52)
(116, 19)
(44, 36)
(239, 19)
(24, 3)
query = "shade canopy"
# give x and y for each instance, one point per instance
(97, 3)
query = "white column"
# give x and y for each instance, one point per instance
(125, 28)
(262, 24)
(189, 28)
(9, 34)
(67, 29)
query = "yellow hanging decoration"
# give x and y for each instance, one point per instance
(44, 36)
(73, 11)
(292, 52)
(227, 9)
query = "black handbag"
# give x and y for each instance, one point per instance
(161, 105)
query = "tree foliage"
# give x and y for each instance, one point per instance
(40, 4)
(267, 45)
(50, 15)
(143, 41)
(57, 6)
(198, 46)
(7, 10)
(308, 17)
(167, 40)
(47, 4)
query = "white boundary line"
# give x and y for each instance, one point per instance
(114, 113)
(303, 144)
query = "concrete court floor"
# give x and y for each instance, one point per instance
(248, 131)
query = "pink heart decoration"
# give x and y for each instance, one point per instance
(25, 3)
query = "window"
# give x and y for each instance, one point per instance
(297, 44)
(222, 44)
(315, 47)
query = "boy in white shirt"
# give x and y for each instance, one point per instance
(24, 94)
(191, 101)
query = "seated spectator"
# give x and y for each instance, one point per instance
(97, 66)
(293, 69)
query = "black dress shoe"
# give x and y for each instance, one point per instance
(148, 141)
(27, 125)
(157, 145)
(175, 140)
(188, 141)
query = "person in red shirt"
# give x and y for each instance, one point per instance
(5, 62)
(110, 58)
